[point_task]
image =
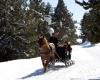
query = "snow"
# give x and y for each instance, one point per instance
(47, 18)
(86, 67)
(12, 8)
(79, 40)
(50, 30)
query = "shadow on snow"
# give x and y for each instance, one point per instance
(35, 73)
(41, 71)
(88, 46)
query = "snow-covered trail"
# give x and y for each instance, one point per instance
(87, 62)
(87, 66)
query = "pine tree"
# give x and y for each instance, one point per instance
(48, 9)
(13, 42)
(91, 21)
(64, 23)
(35, 23)
(20, 23)
(94, 4)
(90, 28)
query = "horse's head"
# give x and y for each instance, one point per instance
(43, 41)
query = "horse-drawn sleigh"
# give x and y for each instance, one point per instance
(49, 54)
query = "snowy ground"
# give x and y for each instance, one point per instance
(86, 67)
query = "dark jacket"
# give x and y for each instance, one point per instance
(54, 40)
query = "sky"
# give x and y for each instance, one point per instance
(86, 66)
(74, 8)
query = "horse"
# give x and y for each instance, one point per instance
(47, 51)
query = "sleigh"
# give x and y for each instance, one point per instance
(63, 56)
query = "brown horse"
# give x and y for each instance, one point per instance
(46, 53)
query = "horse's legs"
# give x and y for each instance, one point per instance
(45, 64)
(53, 59)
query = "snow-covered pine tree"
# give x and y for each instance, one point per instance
(36, 23)
(64, 23)
(91, 21)
(13, 41)
(48, 9)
